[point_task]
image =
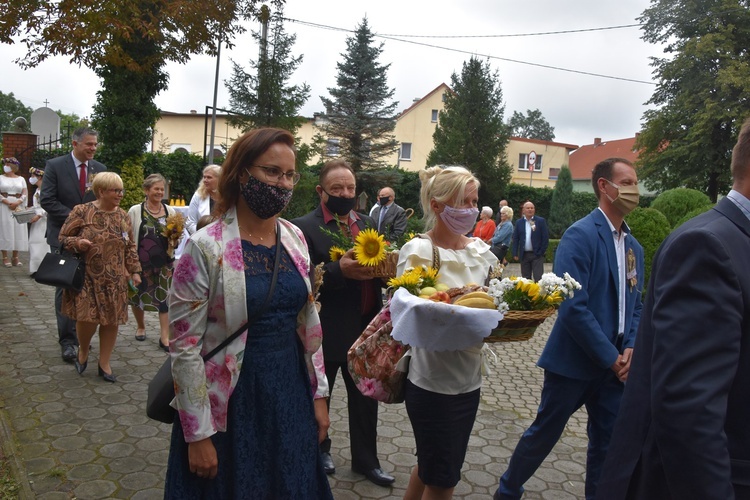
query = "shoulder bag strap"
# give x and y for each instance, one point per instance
(435, 251)
(262, 309)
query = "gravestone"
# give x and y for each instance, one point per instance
(45, 123)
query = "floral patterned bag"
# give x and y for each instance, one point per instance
(373, 357)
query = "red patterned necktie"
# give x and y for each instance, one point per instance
(82, 179)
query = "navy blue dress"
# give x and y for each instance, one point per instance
(270, 448)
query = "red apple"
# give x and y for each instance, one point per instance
(441, 297)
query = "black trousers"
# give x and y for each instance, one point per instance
(66, 327)
(532, 264)
(363, 421)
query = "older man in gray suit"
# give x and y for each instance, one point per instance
(389, 217)
(66, 184)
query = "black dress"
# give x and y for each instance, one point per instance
(270, 448)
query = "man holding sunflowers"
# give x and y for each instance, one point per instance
(349, 299)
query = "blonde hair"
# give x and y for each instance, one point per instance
(507, 211)
(105, 180)
(202, 191)
(444, 185)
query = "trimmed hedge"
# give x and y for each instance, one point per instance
(649, 226)
(691, 214)
(675, 203)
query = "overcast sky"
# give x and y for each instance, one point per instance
(580, 107)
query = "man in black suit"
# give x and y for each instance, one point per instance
(390, 219)
(349, 299)
(530, 241)
(66, 184)
(683, 430)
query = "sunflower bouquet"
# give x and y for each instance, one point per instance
(370, 250)
(526, 304)
(173, 227)
(415, 279)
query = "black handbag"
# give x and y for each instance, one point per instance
(62, 270)
(161, 388)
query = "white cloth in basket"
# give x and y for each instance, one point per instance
(438, 326)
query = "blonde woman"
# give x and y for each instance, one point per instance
(442, 389)
(205, 196)
(100, 231)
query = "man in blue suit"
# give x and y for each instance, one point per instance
(66, 182)
(587, 357)
(684, 428)
(530, 241)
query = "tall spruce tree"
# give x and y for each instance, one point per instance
(359, 113)
(263, 97)
(560, 212)
(470, 130)
(701, 99)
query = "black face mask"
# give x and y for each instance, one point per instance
(384, 200)
(338, 205)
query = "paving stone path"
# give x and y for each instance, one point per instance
(79, 437)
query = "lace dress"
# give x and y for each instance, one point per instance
(270, 448)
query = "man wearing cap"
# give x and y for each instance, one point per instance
(66, 184)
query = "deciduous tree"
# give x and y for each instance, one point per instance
(702, 94)
(264, 97)
(532, 125)
(359, 113)
(470, 130)
(10, 109)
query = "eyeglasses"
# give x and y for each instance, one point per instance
(274, 174)
(117, 191)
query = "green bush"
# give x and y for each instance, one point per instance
(561, 216)
(549, 255)
(132, 181)
(649, 226)
(675, 203)
(582, 204)
(691, 214)
(182, 170)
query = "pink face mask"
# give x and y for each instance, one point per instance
(459, 220)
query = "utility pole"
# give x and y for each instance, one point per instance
(213, 111)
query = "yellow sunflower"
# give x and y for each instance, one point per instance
(336, 253)
(410, 280)
(429, 276)
(369, 247)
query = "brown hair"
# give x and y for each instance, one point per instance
(333, 165)
(741, 153)
(241, 155)
(603, 169)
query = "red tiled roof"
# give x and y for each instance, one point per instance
(583, 159)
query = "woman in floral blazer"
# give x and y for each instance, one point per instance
(245, 415)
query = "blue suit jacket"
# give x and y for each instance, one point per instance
(582, 342)
(539, 237)
(683, 430)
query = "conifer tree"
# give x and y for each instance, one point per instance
(562, 199)
(264, 97)
(470, 130)
(359, 113)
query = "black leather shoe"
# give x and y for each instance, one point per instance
(69, 353)
(109, 377)
(327, 461)
(81, 367)
(379, 477)
(163, 347)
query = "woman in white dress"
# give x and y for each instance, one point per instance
(38, 246)
(13, 236)
(201, 203)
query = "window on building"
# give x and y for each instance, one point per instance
(182, 148)
(443, 96)
(434, 116)
(523, 162)
(332, 147)
(406, 151)
(554, 173)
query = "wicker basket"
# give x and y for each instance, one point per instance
(387, 268)
(24, 216)
(519, 325)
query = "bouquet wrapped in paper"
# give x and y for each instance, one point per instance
(172, 231)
